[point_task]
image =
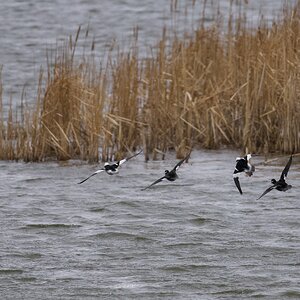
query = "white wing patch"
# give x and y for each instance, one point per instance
(122, 161)
(99, 171)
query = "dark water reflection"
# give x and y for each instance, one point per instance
(194, 238)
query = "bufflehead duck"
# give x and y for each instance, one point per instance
(169, 175)
(242, 165)
(280, 185)
(111, 169)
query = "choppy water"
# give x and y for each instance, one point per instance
(196, 238)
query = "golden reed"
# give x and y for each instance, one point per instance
(240, 89)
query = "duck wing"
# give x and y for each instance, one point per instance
(120, 162)
(98, 171)
(155, 182)
(286, 169)
(181, 162)
(241, 165)
(267, 191)
(237, 184)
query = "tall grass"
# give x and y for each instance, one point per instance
(213, 89)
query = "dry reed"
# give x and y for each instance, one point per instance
(239, 89)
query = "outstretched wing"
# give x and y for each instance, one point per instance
(120, 162)
(181, 162)
(286, 169)
(155, 182)
(98, 171)
(237, 183)
(267, 191)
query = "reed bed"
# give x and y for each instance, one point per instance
(238, 89)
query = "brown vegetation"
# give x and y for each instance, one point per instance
(239, 89)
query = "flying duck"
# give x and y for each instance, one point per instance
(280, 185)
(242, 165)
(111, 168)
(169, 175)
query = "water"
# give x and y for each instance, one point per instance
(196, 238)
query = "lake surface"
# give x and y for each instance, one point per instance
(195, 238)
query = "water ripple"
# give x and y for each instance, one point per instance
(188, 242)
(38, 226)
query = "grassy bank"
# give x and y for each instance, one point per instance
(237, 89)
